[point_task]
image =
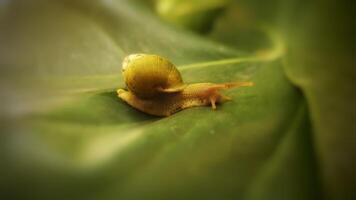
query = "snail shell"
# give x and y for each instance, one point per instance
(155, 86)
(150, 75)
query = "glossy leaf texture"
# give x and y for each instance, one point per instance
(66, 135)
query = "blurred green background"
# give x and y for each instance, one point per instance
(66, 135)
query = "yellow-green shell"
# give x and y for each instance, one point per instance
(150, 75)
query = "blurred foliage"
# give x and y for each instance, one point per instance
(65, 134)
(192, 14)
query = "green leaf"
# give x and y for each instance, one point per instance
(68, 136)
(193, 14)
(321, 62)
(318, 61)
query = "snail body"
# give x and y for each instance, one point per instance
(155, 86)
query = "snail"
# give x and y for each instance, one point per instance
(155, 86)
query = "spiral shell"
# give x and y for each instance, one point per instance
(148, 76)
